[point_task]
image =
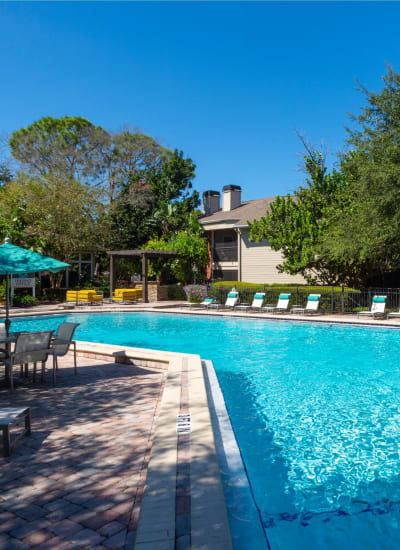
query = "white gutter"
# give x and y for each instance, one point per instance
(220, 220)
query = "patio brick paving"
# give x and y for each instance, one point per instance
(77, 481)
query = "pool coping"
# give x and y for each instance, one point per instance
(159, 518)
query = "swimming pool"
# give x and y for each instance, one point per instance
(315, 409)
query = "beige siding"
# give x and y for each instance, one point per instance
(259, 263)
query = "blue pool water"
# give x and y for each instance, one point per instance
(316, 412)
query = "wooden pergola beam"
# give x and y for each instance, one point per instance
(149, 253)
(145, 267)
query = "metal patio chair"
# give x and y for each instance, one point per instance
(62, 341)
(3, 338)
(31, 347)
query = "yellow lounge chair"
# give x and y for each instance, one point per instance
(81, 297)
(126, 295)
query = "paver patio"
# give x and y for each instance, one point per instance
(77, 481)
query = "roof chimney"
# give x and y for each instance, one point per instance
(211, 200)
(231, 197)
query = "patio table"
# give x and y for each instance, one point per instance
(8, 417)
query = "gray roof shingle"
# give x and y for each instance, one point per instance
(248, 211)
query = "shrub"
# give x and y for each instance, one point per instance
(3, 291)
(26, 301)
(176, 292)
(196, 293)
(53, 294)
(261, 287)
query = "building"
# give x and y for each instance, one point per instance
(233, 256)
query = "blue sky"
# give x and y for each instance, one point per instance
(226, 82)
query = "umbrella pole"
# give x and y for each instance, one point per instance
(7, 321)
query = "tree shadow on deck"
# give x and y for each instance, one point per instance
(100, 419)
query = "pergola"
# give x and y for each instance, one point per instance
(145, 255)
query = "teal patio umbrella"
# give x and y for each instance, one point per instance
(15, 260)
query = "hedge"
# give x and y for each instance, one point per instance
(276, 286)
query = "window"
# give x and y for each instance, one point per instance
(226, 274)
(225, 246)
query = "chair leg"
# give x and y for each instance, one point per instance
(54, 368)
(28, 421)
(75, 366)
(43, 370)
(34, 372)
(26, 370)
(21, 374)
(11, 378)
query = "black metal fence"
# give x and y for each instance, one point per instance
(333, 299)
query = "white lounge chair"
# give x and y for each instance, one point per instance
(204, 303)
(207, 302)
(377, 308)
(312, 305)
(231, 301)
(258, 300)
(281, 306)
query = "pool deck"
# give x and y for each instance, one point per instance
(105, 466)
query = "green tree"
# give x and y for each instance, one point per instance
(75, 147)
(191, 246)
(294, 225)
(64, 146)
(344, 227)
(126, 157)
(125, 182)
(155, 202)
(364, 229)
(5, 174)
(171, 187)
(56, 217)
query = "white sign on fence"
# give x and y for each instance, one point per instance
(26, 282)
(23, 282)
